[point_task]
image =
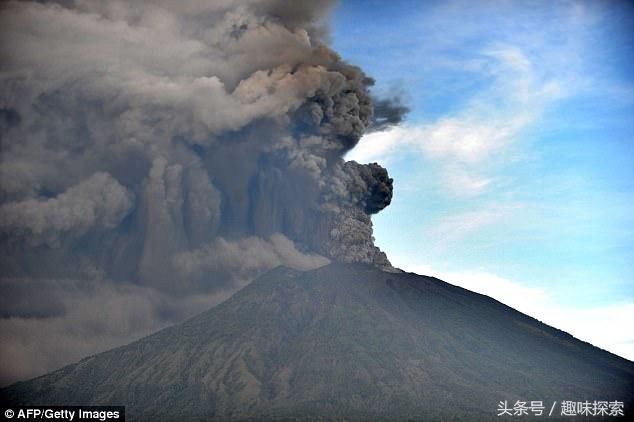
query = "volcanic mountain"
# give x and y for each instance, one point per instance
(345, 341)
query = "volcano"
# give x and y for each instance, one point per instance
(345, 341)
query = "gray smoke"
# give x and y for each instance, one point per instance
(161, 154)
(388, 112)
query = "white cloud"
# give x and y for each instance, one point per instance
(608, 326)
(465, 142)
(454, 227)
(461, 180)
(380, 146)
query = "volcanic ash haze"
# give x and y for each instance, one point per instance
(158, 155)
(341, 342)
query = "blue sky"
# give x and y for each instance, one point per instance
(514, 172)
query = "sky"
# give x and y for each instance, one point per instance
(514, 170)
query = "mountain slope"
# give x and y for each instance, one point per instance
(341, 341)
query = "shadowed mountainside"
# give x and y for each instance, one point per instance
(342, 341)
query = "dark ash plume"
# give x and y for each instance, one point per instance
(161, 154)
(388, 112)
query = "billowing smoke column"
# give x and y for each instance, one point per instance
(158, 155)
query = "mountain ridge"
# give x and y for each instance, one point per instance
(342, 341)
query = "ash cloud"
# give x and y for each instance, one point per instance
(388, 112)
(159, 155)
(97, 203)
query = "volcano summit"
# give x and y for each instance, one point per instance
(345, 341)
